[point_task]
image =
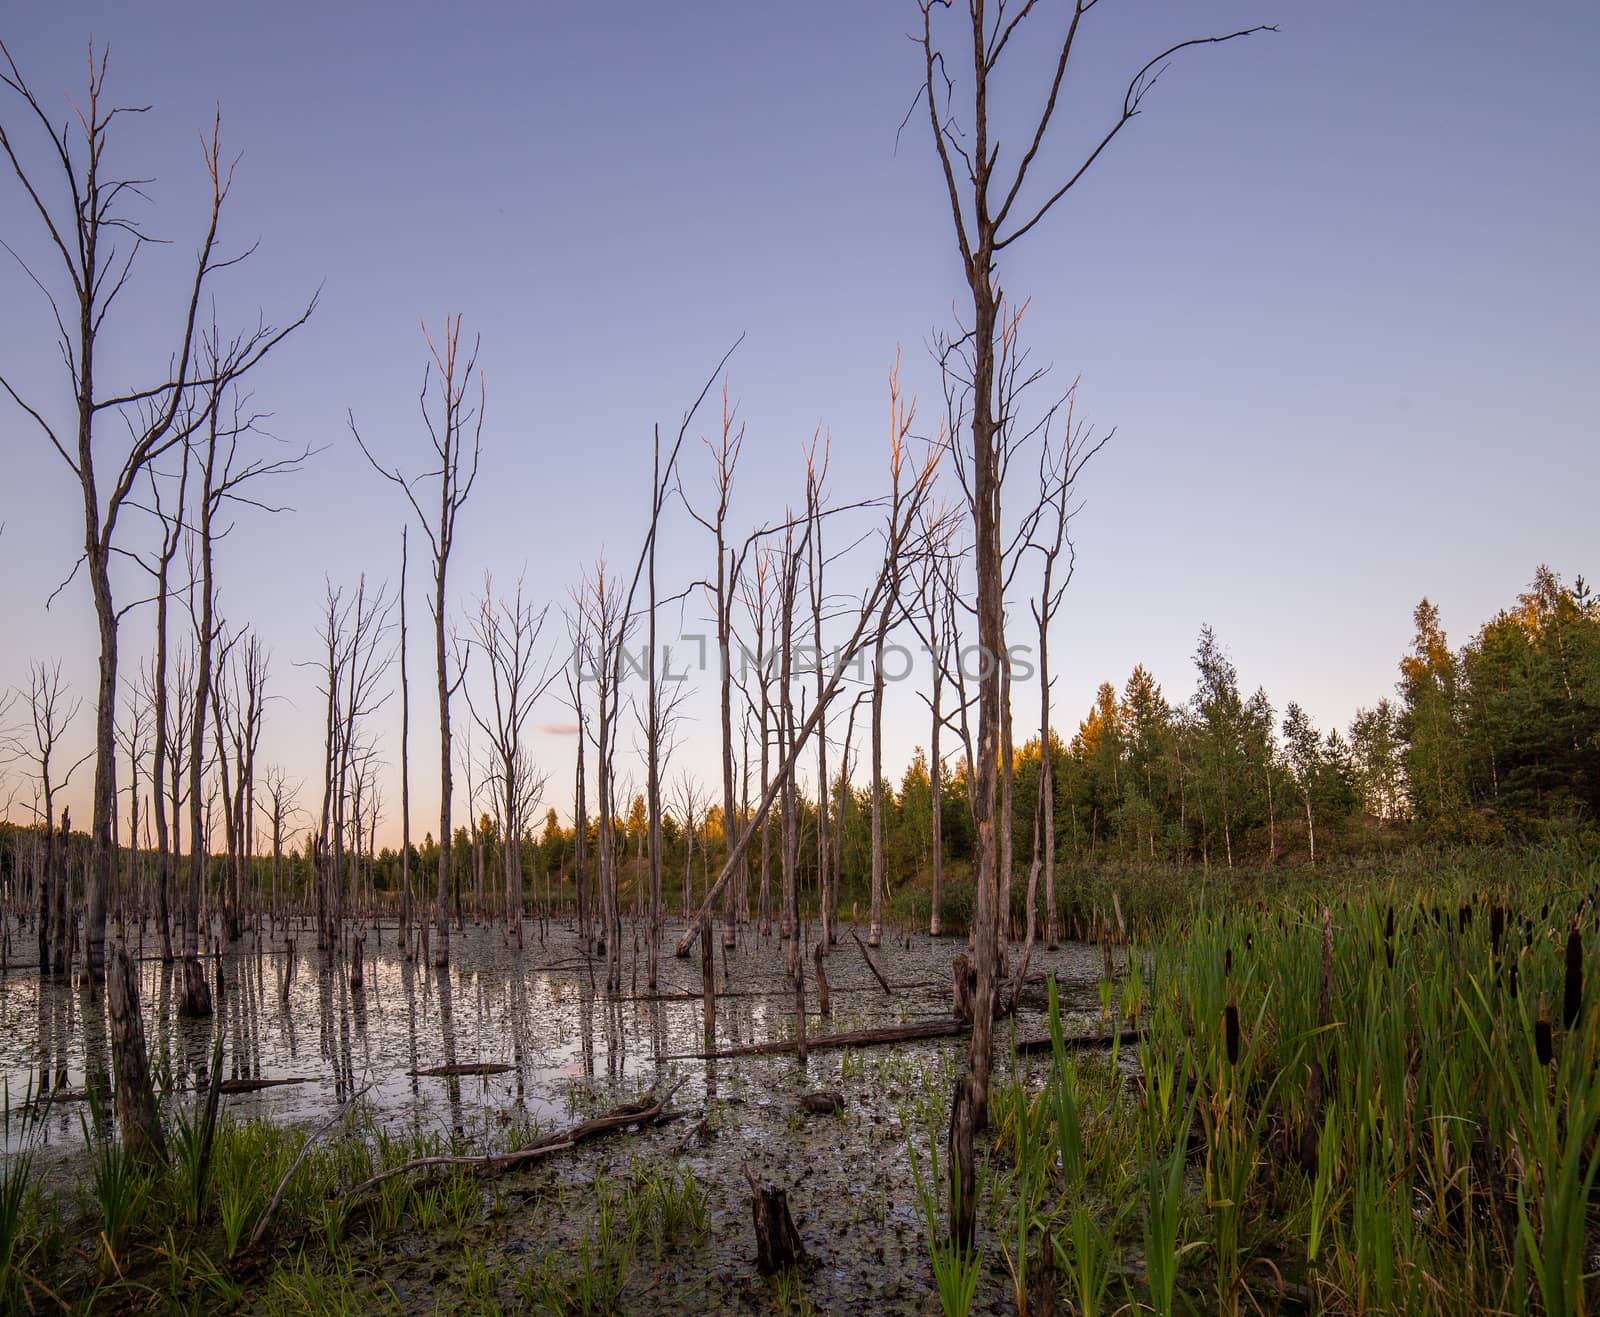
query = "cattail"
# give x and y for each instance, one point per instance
(1511, 981)
(1227, 963)
(1497, 927)
(1464, 918)
(1541, 1037)
(1388, 937)
(1572, 998)
(1325, 994)
(1230, 1030)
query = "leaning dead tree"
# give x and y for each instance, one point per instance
(455, 429)
(992, 207)
(108, 437)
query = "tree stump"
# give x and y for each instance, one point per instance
(1043, 1282)
(963, 988)
(823, 1006)
(963, 1179)
(136, 1103)
(778, 1243)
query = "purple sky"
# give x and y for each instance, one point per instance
(1336, 290)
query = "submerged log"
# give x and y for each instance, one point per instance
(466, 1068)
(866, 956)
(824, 1102)
(824, 1007)
(778, 1243)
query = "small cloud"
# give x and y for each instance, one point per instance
(559, 729)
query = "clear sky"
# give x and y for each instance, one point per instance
(1335, 289)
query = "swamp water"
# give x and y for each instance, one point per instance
(573, 1050)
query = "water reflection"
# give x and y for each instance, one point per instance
(538, 1010)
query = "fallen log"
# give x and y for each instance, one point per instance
(1077, 1041)
(647, 1111)
(255, 1085)
(894, 1033)
(466, 1068)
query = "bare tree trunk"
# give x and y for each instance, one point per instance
(137, 1117)
(405, 772)
(875, 926)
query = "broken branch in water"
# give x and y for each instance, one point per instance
(647, 1111)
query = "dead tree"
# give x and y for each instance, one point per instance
(932, 617)
(81, 205)
(816, 563)
(689, 799)
(160, 692)
(454, 426)
(990, 212)
(1058, 473)
(507, 633)
(226, 465)
(51, 712)
(180, 721)
(135, 740)
(788, 583)
(575, 672)
(901, 416)
(279, 805)
(722, 592)
(405, 767)
(910, 483)
(604, 630)
(757, 588)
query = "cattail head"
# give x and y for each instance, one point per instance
(1511, 980)
(1497, 927)
(1572, 997)
(1227, 963)
(1542, 1044)
(1230, 1032)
